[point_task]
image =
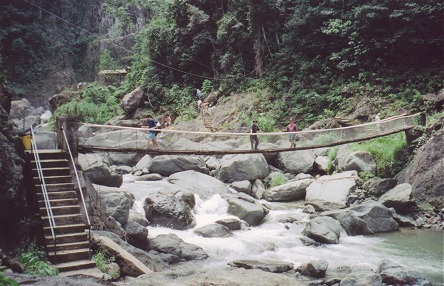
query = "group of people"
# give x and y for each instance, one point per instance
(291, 127)
(200, 104)
(152, 124)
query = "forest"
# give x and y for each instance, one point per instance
(303, 58)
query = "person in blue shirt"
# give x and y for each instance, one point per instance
(151, 123)
(198, 93)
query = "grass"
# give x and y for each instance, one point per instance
(386, 151)
(102, 261)
(277, 180)
(332, 153)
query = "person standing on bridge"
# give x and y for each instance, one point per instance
(254, 140)
(378, 122)
(291, 127)
(152, 124)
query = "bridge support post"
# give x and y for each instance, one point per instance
(414, 133)
(70, 124)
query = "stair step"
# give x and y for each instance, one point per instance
(56, 187)
(67, 238)
(50, 154)
(48, 172)
(51, 163)
(62, 210)
(59, 202)
(75, 265)
(53, 180)
(68, 255)
(59, 195)
(68, 246)
(66, 229)
(64, 219)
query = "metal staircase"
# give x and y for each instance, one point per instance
(66, 228)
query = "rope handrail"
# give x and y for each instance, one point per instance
(167, 130)
(51, 220)
(77, 177)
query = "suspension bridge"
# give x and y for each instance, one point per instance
(107, 138)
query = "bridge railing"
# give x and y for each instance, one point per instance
(118, 138)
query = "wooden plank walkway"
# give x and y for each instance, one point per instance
(89, 149)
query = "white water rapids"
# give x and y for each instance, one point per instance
(274, 240)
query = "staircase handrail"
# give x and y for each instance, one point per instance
(52, 223)
(77, 177)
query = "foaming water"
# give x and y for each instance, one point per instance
(278, 238)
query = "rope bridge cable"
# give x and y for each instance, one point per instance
(129, 139)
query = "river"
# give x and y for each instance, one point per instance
(414, 249)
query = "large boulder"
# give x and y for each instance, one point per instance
(171, 244)
(425, 172)
(334, 188)
(44, 139)
(352, 224)
(378, 186)
(129, 265)
(166, 165)
(360, 161)
(247, 209)
(169, 211)
(291, 191)
(127, 159)
(264, 265)
(132, 100)
(118, 203)
(195, 182)
(64, 97)
(315, 268)
(377, 217)
(149, 260)
(137, 234)
(399, 198)
(242, 167)
(361, 276)
(394, 274)
(323, 229)
(214, 230)
(242, 187)
(144, 162)
(97, 168)
(258, 189)
(295, 162)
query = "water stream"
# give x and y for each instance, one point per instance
(414, 249)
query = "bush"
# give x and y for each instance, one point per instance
(386, 151)
(331, 158)
(5, 281)
(102, 262)
(277, 180)
(98, 105)
(33, 263)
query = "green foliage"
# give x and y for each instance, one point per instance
(425, 207)
(107, 62)
(97, 105)
(33, 263)
(103, 260)
(207, 86)
(332, 153)
(387, 152)
(365, 176)
(5, 281)
(277, 180)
